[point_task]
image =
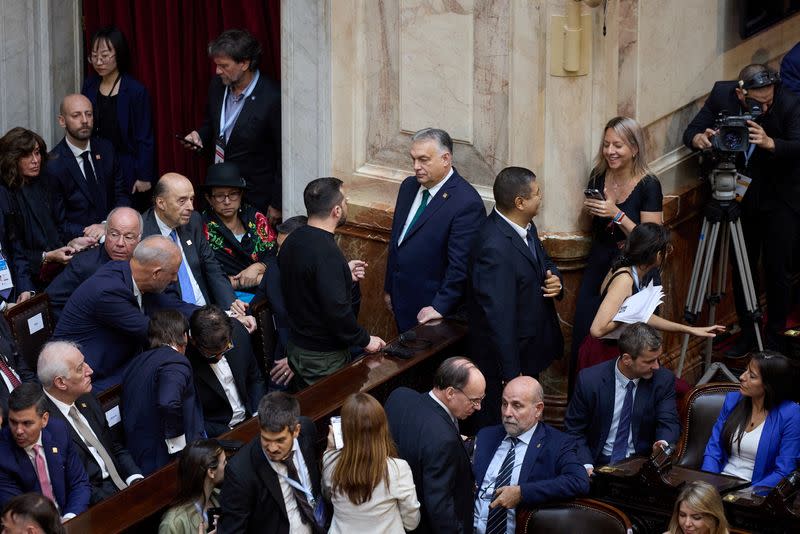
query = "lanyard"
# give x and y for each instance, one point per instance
(295, 484)
(749, 153)
(225, 124)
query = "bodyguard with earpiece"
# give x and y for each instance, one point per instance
(770, 207)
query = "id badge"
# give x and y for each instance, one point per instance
(219, 150)
(5, 276)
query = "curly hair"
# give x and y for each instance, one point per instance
(17, 143)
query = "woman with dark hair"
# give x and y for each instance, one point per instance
(631, 195)
(757, 434)
(201, 470)
(698, 510)
(122, 110)
(31, 512)
(645, 250)
(32, 222)
(371, 489)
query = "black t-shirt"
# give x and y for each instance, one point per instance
(646, 196)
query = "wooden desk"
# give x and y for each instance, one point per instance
(139, 507)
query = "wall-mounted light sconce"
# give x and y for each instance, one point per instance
(571, 40)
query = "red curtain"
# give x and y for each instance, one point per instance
(169, 40)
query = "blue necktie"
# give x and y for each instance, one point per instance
(426, 195)
(620, 450)
(497, 521)
(187, 293)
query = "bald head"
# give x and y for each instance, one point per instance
(77, 119)
(522, 406)
(155, 264)
(123, 233)
(173, 199)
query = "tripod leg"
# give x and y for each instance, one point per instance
(715, 297)
(748, 288)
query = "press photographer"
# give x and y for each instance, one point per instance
(770, 208)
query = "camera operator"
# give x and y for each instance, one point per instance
(770, 209)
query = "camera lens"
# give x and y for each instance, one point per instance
(733, 141)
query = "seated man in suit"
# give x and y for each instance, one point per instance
(123, 233)
(200, 278)
(161, 411)
(107, 314)
(425, 428)
(624, 406)
(228, 381)
(67, 382)
(549, 469)
(84, 171)
(14, 369)
(39, 459)
(257, 494)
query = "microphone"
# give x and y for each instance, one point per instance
(401, 349)
(405, 337)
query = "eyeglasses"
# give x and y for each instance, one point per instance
(476, 402)
(215, 356)
(222, 197)
(129, 238)
(105, 57)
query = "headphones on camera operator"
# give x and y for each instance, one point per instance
(763, 78)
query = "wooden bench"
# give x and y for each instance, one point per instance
(139, 507)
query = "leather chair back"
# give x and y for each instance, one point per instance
(698, 416)
(580, 515)
(32, 326)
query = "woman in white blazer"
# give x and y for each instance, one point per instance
(370, 488)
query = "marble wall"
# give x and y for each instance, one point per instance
(40, 61)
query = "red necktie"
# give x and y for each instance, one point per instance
(6, 370)
(41, 473)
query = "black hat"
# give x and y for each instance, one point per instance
(225, 174)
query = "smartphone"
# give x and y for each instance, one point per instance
(182, 139)
(595, 194)
(213, 514)
(336, 423)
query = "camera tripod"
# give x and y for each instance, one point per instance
(722, 226)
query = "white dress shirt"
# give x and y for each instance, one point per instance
(523, 232)
(485, 496)
(222, 370)
(166, 231)
(77, 153)
(418, 200)
(137, 294)
(296, 525)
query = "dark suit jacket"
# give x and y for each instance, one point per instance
(550, 470)
(255, 142)
(251, 498)
(80, 267)
(217, 410)
(214, 285)
(776, 175)
(89, 407)
(103, 316)
(588, 419)
(12, 357)
(159, 402)
(80, 202)
(137, 155)
(67, 476)
(430, 267)
(428, 440)
(513, 329)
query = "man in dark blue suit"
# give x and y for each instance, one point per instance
(513, 326)
(549, 469)
(38, 459)
(425, 428)
(624, 406)
(84, 172)
(161, 411)
(123, 233)
(435, 218)
(107, 314)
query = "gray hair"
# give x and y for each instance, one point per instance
(441, 137)
(453, 373)
(51, 361)
(638, 337)
(155, 250)
(121, 209)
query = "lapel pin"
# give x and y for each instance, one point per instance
(539, 445)
(445, 195)
(189, 242)
(97, 157)
(55, 450)
(83, 405)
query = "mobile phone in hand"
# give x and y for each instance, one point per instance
(595, 194)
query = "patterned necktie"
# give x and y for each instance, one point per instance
(187, 293)
(42, 474)
(91, 440)
(620, 450)
(6, 370)
(426, 196)
(306, 512)
(496, 523)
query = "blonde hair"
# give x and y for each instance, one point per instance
(632, 134)
(705, 500)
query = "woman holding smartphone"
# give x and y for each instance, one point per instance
(626, 194)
